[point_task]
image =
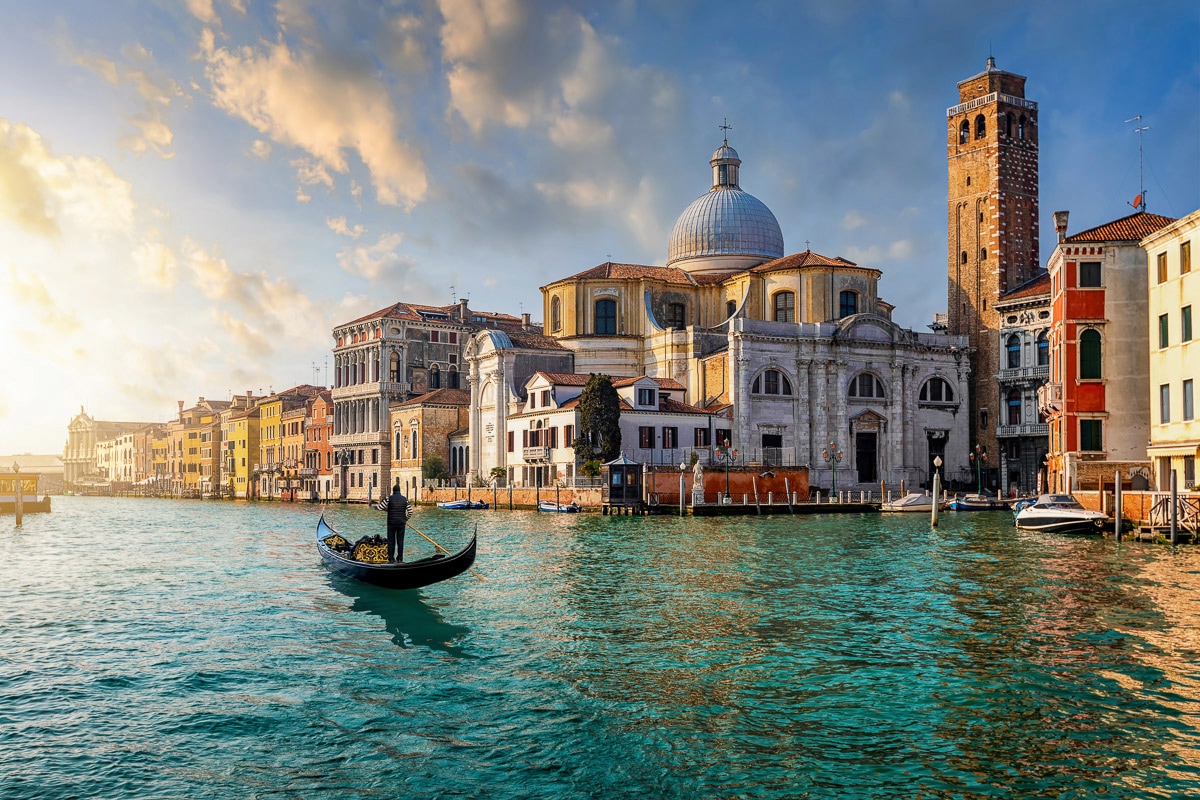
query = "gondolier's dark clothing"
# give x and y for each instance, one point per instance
(398, 512)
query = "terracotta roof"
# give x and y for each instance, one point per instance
(806, 259)
(412, 313)
(1030, 288)
(1132, 228)
(674, 406)
(565, 378)
(459, 432)
(532, 339)
(444, 397)
(579, 379)
(610, 271)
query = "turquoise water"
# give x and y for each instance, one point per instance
(164, 649)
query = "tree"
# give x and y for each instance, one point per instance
(433, 468)
(599, 421)
(499, 475)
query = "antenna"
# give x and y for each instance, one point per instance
(453, 296)
(1139, 202)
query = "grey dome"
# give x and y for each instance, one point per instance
(726, 221)
(723, 152)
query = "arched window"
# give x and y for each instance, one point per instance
(964, 132)
(983, 254)
(606, 317)
(772, 381)
(1021, 128)
(1008, 125)
(785, 307)
(866, 385)
(555, 314)
(1014, 352)
(964, 256)
(730, 308)
(936, 390)
(414, 443)
(1043, 350)
(1089, 355)
(1014, 407)
(452, 378)
(435, 377)
(399, 443)
(849, 303)
(394, 367)
(676, 315)
(980, 127)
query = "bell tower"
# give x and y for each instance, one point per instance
(992, 153)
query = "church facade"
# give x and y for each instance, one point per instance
(798, 351)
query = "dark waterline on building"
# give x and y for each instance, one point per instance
(153, 648)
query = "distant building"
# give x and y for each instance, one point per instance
(1174, 302)
(317, 474)
(1097, 400)
(421, 429)
(239, 440)
(1024, 358)
(79, 454)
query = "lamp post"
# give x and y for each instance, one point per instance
(978, 457)
(728, 455)
(682, 469)
(833, 457)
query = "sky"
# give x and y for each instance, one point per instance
(194, 192)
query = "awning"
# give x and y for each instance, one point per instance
(1174, 449)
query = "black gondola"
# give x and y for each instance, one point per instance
(337, 553)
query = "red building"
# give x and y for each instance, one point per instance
(317, 474)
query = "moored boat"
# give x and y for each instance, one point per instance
(366, 560)
(559, 508)
(912, 502)
(976, 502)
(462, 505)
(1060, 513)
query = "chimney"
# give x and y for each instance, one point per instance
(1060, 224)
(180, 410)
(525, 322)
(463, 314)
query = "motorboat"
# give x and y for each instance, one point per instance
(976, 502)
(913, 501)
(462, 505)
(559, 508)
(1060, 513)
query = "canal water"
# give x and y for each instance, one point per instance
(161, 649)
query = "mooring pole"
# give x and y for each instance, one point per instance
(1174, 507)
(937, 490)
(1117, 515)
(681, 501)
(787, 487)
(19, 505)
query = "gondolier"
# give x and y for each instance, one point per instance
(398, 511)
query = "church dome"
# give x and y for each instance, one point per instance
(726, 222)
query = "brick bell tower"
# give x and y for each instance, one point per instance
(992, 152)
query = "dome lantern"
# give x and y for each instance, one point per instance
(725, 163)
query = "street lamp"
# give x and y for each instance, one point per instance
(833, 457)
(728, 456)
(682, 469)
(978, 458)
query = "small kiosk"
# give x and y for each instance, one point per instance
(622, 491)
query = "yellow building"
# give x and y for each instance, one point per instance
(1174, 351)
(239, 446)
(270, 476)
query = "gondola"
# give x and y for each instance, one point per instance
(337, 553)
(559, 508)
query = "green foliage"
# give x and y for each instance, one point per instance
(591, 467)
(433, 468)
(599, 421)
(499, 475)
(694, 459)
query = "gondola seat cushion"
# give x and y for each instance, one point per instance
(337, 543)
(370, 550)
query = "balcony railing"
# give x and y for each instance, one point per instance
(1031, 429)
(1050, 398)
(535, 453)
(1024, 374)
(971, 105)
(368, 437)
(370, 389)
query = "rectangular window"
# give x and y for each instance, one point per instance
(1164, 330)
(1185, 326)
(545, 398)
(453, 338)
(1185, 257)
(1089, 273)
(1188, 408)
(511, 437)
(1090, 435)
(568, 435)
(646, 437)
(1162, 267)
(1164, 403)
(701, 437)
(525, 438)
(724, 437)
(434, 336)
(553, 435)
(670, 438)
(645, 397)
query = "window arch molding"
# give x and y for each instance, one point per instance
(555, 314)
(936, 390)
(772, 381)
(964, 132)
(866, 386)
(980, 126)
(1091, 351)
(1012, 349)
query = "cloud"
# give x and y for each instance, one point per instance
(312, 173)
(899, 250)
(203, 10)
(853, 220)
(30, 293)
(41, 192)
(338, 225)
(155, 93)
(261, 149)
(155, 263)
(324, 107)
(373, 261)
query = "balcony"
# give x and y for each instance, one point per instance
(1024, 374)
(1032, 429)
(1050, 398)
(351, 439)
(370, 389)
(535, 453)
(306, 472)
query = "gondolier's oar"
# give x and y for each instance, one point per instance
(444, 550)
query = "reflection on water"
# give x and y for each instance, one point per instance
(409, 619)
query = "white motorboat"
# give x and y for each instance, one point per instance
(913, 501)
(1060, 513)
